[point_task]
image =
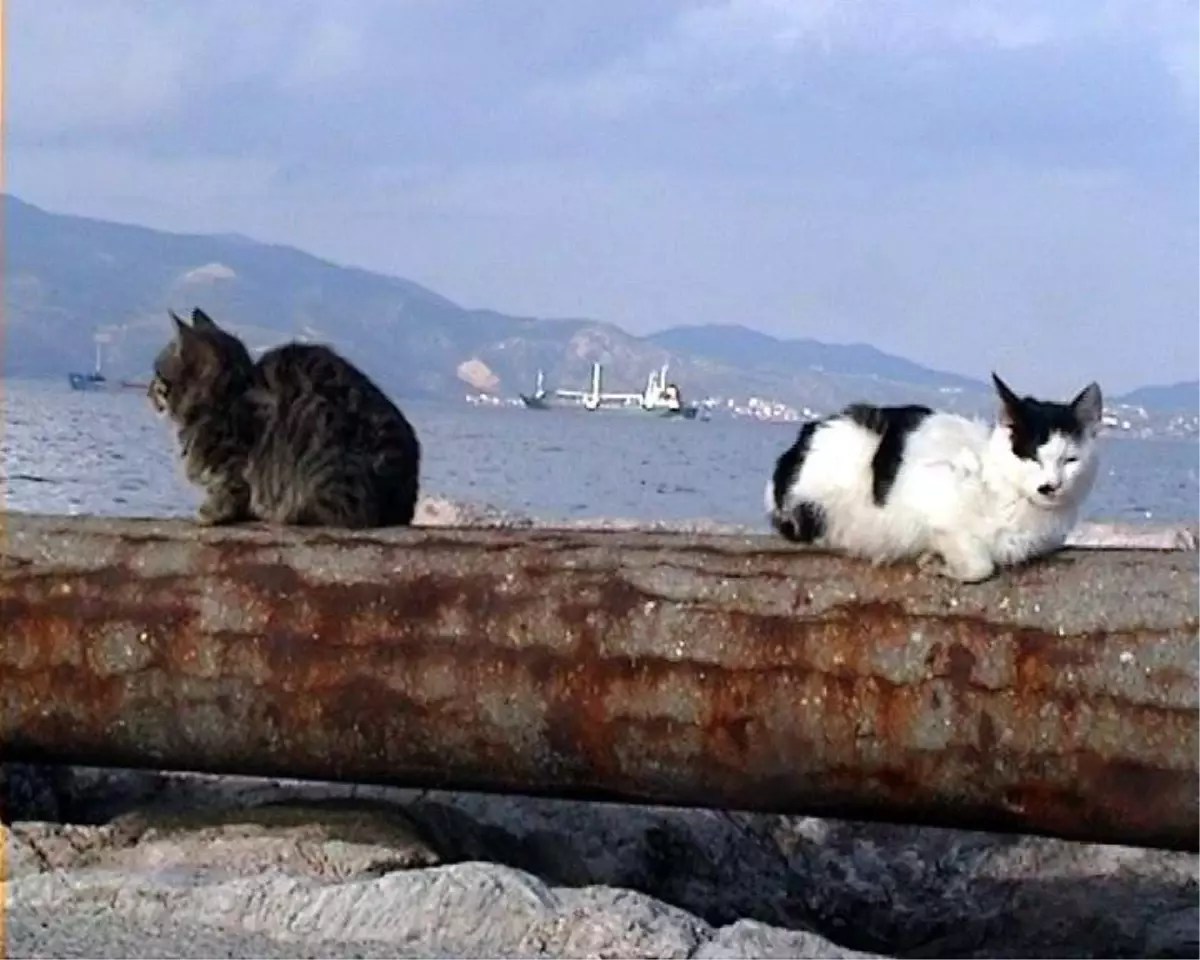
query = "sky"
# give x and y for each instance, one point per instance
(1007, 185)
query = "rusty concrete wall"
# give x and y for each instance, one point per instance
(710, 671)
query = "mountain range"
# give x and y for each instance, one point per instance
(68, 278)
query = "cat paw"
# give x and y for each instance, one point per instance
(206, 519)
(976, 571)
(931, 565)
(968, 574)
(215, 515)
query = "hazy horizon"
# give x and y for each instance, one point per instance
(968, 185)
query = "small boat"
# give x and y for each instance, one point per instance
(95, 379)
(537, 400)
(671, 403)
(88, 381)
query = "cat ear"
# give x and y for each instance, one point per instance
(202, 321)
(1088, 407)
(181, 326)
(1010, 403)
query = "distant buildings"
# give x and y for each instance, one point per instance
(1138, 422)
(1120, 420)
(763, 409)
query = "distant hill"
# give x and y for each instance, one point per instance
(68, 277)
(750, 349)
(1183, 397)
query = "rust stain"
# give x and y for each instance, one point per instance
(529, 661)
(960, 665)
(1038, 650)
(988, 738)
(1168, 677)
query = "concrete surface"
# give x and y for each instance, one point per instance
(135, 864)
(726, 672)
(438, 511)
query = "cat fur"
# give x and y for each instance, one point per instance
(301, 437)
(957, 494)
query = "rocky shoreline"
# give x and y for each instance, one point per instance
(124, 863)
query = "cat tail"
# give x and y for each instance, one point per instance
(794, 519)
(804, 523)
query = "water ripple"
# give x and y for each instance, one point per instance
(106, 453)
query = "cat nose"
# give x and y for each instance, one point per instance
(1048, 489)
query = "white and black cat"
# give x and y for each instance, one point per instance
(959, 494)
(301, 437)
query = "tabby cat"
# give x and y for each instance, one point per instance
(300, 437)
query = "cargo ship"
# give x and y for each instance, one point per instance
(660, 397)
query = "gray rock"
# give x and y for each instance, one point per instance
(590, 878)
(461, 910)
(1174, 934)
(748, 938)
(31, 791)
(719, 866)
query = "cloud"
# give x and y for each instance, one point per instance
(60, 75)
(964, 181)
(111, 66)
(1047, 275)
(722, 50)
(805, 83)
(328, 49)
(118, 182)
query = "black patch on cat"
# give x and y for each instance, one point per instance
(893, 425)
(807, 521)
(1032, 423)
(787, 467)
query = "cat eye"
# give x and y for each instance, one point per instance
(1071, 460)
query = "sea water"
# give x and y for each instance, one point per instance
(63, 451)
